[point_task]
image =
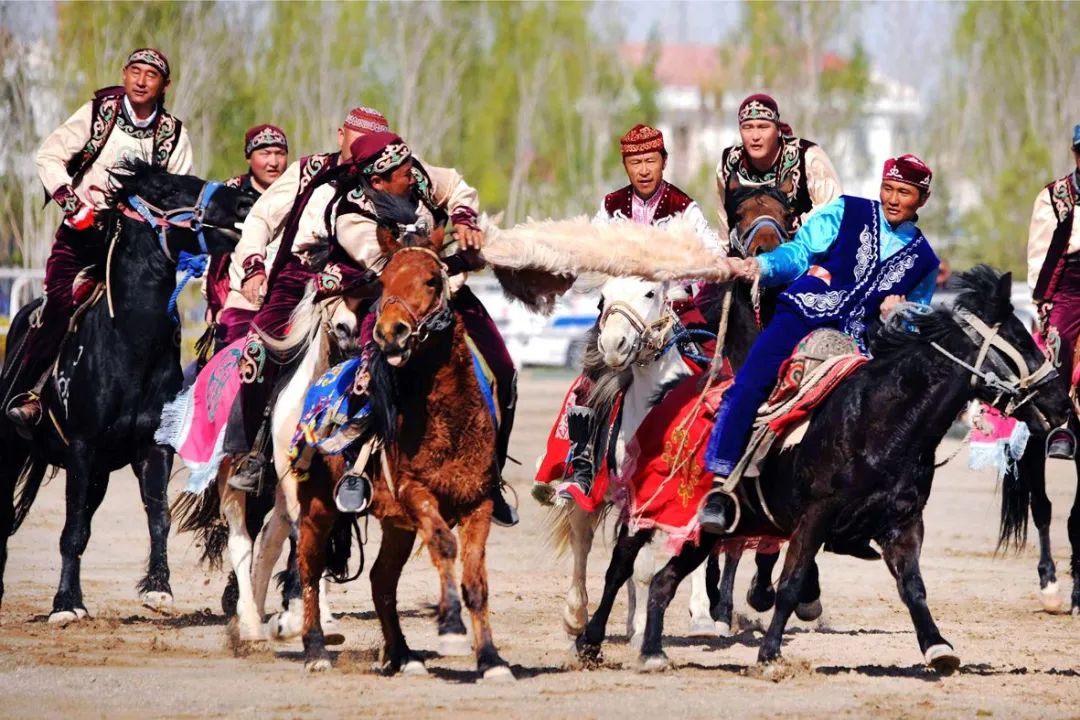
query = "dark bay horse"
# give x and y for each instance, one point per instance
(115, 373)
(865, 467)
(439, 454)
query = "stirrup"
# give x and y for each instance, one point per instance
(352, 493)
(248, 473)
(1061, 443)
(16, 410)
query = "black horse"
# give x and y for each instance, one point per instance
(104, 401)
(1024, 487)
(866, 464)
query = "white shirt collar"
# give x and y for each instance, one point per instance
(136, 121)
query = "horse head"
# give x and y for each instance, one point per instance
(415, 287)
(764, 219)
(636, 321)
(190, 214)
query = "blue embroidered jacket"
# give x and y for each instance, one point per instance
(856, 272)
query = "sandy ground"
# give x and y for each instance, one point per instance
(860, 660)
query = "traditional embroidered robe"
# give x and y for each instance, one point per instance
(667, 202)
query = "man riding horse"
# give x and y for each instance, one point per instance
(853, 259)
(647, 200)
(770, 156)
(380, 162)
(267, 151)
(264, 227)
(74, 164)
(1054, 278)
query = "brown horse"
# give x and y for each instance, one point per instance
(437, 467)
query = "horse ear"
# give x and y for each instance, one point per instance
(438, 236)
(387, 242)
(1004, 287)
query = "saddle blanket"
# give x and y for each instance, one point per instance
(194, 423)
(337, 412)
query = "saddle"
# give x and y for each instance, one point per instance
(819, 363)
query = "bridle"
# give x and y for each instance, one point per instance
(650, 342)
(744, 240)
(186, 218)
(438, 318)
(1018, 388)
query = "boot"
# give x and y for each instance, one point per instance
(582, 469)
(249, 472)
(25, 411)
(718, 512)
(352, 493)
(502, 513)
(1061, 444)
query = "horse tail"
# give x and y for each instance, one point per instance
(560, 529)
(27, 485)
(339, 548)
(200, 513)
(303, 325)
(1015, 500)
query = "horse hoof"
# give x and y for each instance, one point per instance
(702, 627)
(1050, 597)
(158, 601)
(283, 626)
(499, 673)
(723, 629)
(63, 617)
(414, 668)
(454, 645)
(942, 658)
(635, 641)
(808, 611)
(653, 663)
(250, 633)
(319, 665)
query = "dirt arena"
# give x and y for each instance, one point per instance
(859, 660)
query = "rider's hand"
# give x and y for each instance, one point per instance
(81, 219)
(889, 304)
(253, 288)
(750, 269)
(470, 238)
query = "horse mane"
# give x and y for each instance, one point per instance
(913, 324)
(135, 176)
(382, 394)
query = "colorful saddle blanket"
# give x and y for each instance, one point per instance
(337, 411)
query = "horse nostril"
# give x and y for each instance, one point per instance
(343, 330)
(622, 344)
(401, 329)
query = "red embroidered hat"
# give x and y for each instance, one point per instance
(759, 106)
(642, 139)
(262, 136)
(908, 169)
(378, 152)
(365, 119)
(149, 56)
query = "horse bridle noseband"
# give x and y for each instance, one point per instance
(438, 318)
(651, 339)
(1019, 388)
(187, 218)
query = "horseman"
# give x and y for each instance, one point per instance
(770, 156)
(265, 225)
(74, 162)
(267, 151)
(647, 200)
(1054, 276)
(853, 259)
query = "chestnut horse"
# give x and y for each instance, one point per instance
(437, 464)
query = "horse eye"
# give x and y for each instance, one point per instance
(434, 281)
(650, 295)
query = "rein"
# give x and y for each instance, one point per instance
(438, 318)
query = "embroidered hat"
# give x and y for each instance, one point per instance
(759, 106)
(365, 119)
(262, 136)
(379, 152)
(642, 139)
(1076, 138)
(149, 56)
(908, 169)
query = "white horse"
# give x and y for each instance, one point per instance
(636, 324)
(315, 329)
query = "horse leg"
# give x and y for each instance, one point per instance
(661, 592)
(272, 540)
(153, 467)
(619, 571)
(11, 465)
(809, 607)
(1033, 473)
(805, 543)
(701, 619)
(902, 556)
(233, 507)
(473, 534)
(638, 586)
(85, 489)
(394, 552)
(317, 517)
(1074, 541)
(576, 612)
(723, 604)
(761, 595)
